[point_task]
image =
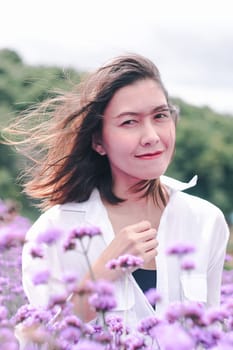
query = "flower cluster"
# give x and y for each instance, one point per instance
(81, 233)
(102, 298)
(125, 262)
(184, 326)
(12, 233)
(182, 251)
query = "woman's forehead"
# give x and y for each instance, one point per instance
(141, 97)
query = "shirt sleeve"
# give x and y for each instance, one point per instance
(54, 264)
(35, 268)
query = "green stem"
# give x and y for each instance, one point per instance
(87, 260)
(126, 309)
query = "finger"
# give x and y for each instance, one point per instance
(141, 226)
(150, 257)
(142, 249)
(150, 245)
(147, 235)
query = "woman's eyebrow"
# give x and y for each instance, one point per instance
(154, 110)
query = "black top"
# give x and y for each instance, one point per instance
(146, 279)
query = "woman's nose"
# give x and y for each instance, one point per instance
(149, 135)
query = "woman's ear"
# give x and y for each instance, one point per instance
(97, 145)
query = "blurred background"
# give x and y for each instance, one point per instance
(51, 44)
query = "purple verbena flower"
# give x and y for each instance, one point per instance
(172, 337)
(50, 236)
(112, 264)
(102, 302)
(73, 321)
(187, 265)
(194, 311)
(148, 323)
(125, 262)
(3, 313)
(58, 299)
(30, 315)
(205, 338)
(217, 314)
(153, 296)
(71, 334)
(227, 289)
(23, 313)
(226, 342)
(180, 249)
(174, 312)
(103, 298)
(104, 337)
(69, 243)
(37, 252)
(11, 344)
(103, 287)
(134, 342)
(115, 324)
(85, 231)
(3, 280)
(18, 289)
(7, 339)
(227, 277)
(228, 257)
(41, 277)
(80, 233)
(70, 277)
(9, 238)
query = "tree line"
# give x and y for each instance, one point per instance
(204, 137)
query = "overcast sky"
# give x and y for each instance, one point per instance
(190, 41)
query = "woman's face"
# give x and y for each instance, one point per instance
(138, 135)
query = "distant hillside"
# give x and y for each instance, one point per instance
(204, 137)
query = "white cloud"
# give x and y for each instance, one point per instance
(190, 41)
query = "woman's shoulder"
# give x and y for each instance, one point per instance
(200, 213)
(65, 216)
(190, 203)
(54, 212)
(74, 207)
(197, 204)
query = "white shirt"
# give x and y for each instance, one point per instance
(186, 219)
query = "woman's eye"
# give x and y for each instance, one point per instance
(129, 122)
(161, 115)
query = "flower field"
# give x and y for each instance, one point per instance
(184, 326)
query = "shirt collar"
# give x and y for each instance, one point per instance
(178, 185)
(174, 184)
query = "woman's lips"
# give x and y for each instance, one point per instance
(149, 155)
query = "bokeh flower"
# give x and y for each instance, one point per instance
(181, 249)
(183, 326)
(153, 296)
(125, 262)
(50, 236)
(41, 277)
(85, 231)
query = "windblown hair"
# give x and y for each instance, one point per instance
(57, 137)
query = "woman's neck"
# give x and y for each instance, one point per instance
(132, 211)
(135, 194)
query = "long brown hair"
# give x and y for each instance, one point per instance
(64, 166)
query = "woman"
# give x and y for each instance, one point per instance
(103, 152)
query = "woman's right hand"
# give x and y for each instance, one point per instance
(138, 239)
